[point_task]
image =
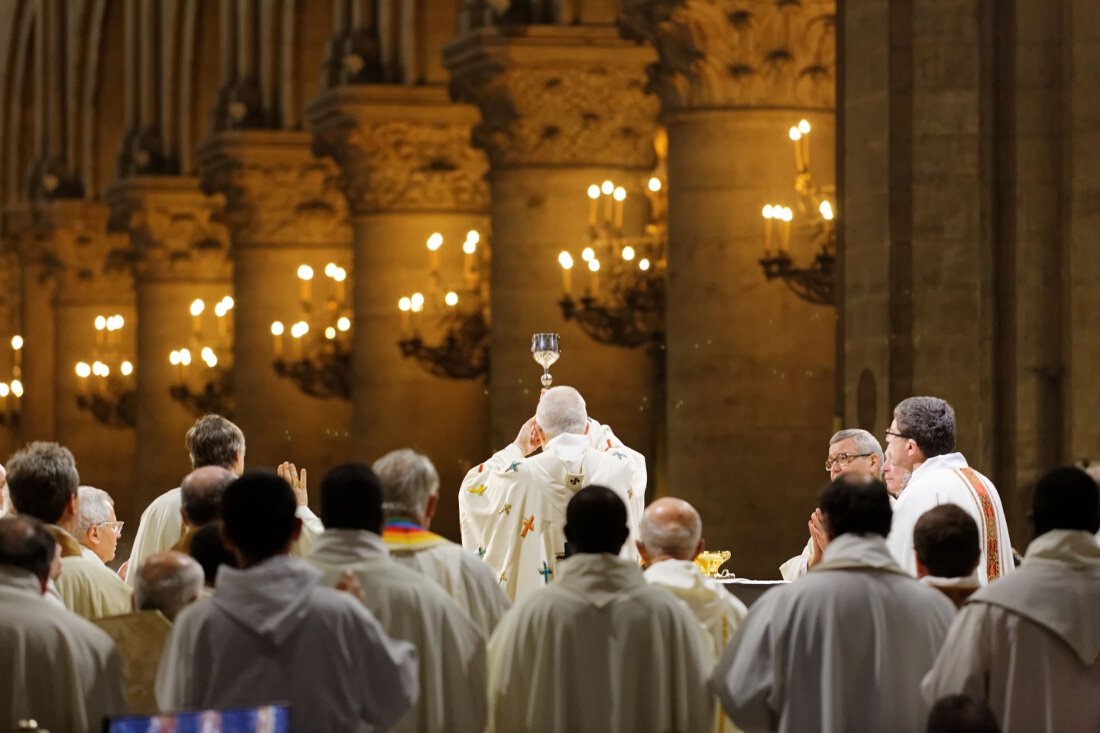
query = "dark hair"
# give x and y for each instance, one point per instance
(42, 478)
(201, 497)
(26, 543)
(351, 498)
(947, 542)
(856, 505)
(214, 441)
(929, 421)
(595, 521)
(1065, 498)
(961, 714)
(258, 514)
(210, 552)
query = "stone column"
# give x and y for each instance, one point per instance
(37, 287)
(93, 279)
(408, 170)
(283, 209)
(562, 107)
(180, 254)
(750, 365)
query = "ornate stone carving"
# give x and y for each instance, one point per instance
(738, 53)
(91, 265)
(400, 165)
(172, 229)
(277, 194)
(586, 106)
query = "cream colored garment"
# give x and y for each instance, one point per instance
(1029, 645)
(411, 607)
(464, 577)
(161, 527)
(55, 667)
(88, 587)
(799, 565)
(599, 651)
(842, 649)
(512, 509)
(273, 632)
(718, 610)
(938, 481)
(140, 638)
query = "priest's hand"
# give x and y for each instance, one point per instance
(817, 534)
(530, 437)
(289, 473)
(349, 583)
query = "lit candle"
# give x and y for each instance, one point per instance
(221, 312)
(404, 305)
(769, 216)
(17, 352)
(620, 197)
(340, 275)
(305, 275)
(607, 188)
(593, 204)
(100, 331)
(434, 243)
(470, 265)
(277, 329)
(566, 261)
(788, 215)
(796, 137)
(197, 307)
(416, 302)
(594, 276)
(804, 128)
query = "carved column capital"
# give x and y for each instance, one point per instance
(277, 193)
(70, 239)
(556, 95)
(401, 149)
(738, 53)
(172, 230)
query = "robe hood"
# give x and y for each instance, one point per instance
(599, 578)
(269, 599)
(858, 552)
(688, 583)
(339, 547)
(1060, 564)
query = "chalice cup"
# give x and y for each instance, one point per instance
(545, 348)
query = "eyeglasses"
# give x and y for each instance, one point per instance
(892, 434)
(843, 459)
(115, 527)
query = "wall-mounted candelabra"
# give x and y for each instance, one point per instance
(202, 370)
(456, 319)
(318, 357)
(622, 288)
(816, 219)
(11, 393)
(105, 384)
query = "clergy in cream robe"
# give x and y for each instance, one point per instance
(275, 632)
(949, 479)
(87, 586)
(1029, 644)
(161, 528)
(461, 574)
(512, 507)
(845, 647)
(599, 651)
(413, 608)
(58, 668)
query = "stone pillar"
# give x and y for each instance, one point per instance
(93, 279)
(180, 254)
(750, 365)
(283, 209)
(37, 287)
(408, 170)
(562, 107)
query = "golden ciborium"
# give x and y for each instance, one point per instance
(709, 562)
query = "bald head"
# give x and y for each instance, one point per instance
(561, 410)
(670, 530)
(167, 582)
(201, 494)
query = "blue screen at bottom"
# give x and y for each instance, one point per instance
(266, 719)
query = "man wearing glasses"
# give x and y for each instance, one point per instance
(97, 527)
(921, 439)
(852, 451)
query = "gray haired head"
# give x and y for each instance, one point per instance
(561, 410)
(408, 479)
(930, 422)
(94, 507)
(864, 441)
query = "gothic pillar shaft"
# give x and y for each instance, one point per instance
(408, 170)
(179, 255)
(750, 365)
(283, 210)
(36, 420)
(562, 107)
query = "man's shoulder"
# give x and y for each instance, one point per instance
(165, 502)
(46, 620)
